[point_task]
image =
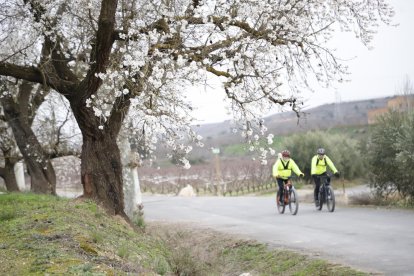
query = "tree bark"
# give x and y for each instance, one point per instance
(42, 174)
(101, 172)
(7, 173)
(101, 167)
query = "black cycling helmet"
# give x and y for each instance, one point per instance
(285, 153)
(320, 151)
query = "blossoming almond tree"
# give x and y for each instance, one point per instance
(9, 156)
(28, 117)
(20, 103)
(137, 56)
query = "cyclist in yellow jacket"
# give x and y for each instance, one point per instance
(282, 170)
(318, 167)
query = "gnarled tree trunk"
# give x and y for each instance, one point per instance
(101, 172)
(42, 174)
(7, 173)
(101, 167)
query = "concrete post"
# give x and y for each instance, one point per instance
(132, 190)
(19, 173)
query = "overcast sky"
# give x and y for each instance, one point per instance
(374, 73)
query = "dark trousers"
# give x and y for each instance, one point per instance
(280, 182)
(317, 180)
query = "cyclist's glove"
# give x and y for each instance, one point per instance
(337, 174)
(301, 175)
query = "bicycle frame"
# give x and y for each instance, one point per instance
(326, 193)
(290, 198)
(287, 186)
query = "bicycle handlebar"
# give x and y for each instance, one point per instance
(327, 174)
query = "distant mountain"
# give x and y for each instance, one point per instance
(321, 117)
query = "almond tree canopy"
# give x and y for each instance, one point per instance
(116, 60)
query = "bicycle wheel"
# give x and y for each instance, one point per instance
(330, 199)
(321, 199)
(280, 207)
(293, 202)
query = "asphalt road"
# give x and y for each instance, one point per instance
(376, 240)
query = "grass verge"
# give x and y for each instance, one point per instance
(200, 251)
(43, 235)
(46, 235)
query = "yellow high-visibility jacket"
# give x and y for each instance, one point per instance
(318, 166)
(282, 169)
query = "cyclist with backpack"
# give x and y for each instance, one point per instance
(318, 167)
(282, 170)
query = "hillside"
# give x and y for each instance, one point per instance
(46, 235)
(320, 117)
(344, 114)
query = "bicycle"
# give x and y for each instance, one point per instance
(290, 197)
(326, 194)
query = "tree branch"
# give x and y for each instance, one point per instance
(52, 50)
(102, 47)
(31, 74)
(34, 74)
(62, 153)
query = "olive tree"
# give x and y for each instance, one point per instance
(390, 154)
(342, 149)
(136, 56)
(303, 147)
(390, 147)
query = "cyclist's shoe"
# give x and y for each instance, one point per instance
(281, 202)
(316, 203)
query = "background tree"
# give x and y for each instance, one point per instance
(19, 108)
(405, 157)
(390, 148)
(347, 157)
(303, 147)
(382, 152)
(343, 150)
(56, 128)
(49, 126)
(9, 156)
(139, 54)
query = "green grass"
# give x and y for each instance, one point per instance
(49, 235)
(242, 149)
(259, 260)
(225, 255)
(236, 150)
(355, 132)
(46, 235)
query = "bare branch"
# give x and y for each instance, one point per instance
(102, 47)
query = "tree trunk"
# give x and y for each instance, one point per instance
(7, 173)
(101, 167)
(101, 172)
(42, 174)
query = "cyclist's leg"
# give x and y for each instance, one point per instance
(317, 181)
(280, 184)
